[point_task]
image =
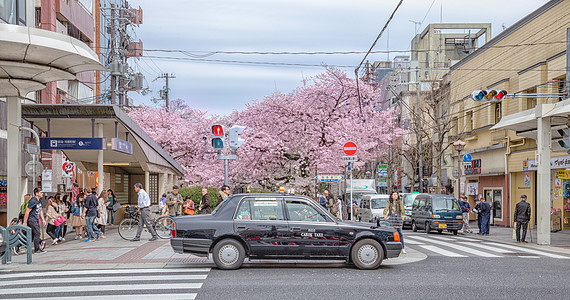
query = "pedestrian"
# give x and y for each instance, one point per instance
(78, 221)
(395, 213)
(188, 206)
(522, 216)
(477, 210)
(205, 203)
(465, 208)
(339, 207)
(144, 213)
(62, 209)
(110, 212)
(331, 205)
(323, 200)
(91, 202)
(162, 205)
(33, 216)
(174, 202)
(23, 207)
(485, 216)
(224, 194)
(101, 220)
(51, 216)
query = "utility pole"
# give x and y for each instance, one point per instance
(164, 93)
(419, 137)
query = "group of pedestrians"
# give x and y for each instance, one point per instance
(331, 204)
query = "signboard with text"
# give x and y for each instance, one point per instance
(121, 146)
(73, 143)
(329, 178)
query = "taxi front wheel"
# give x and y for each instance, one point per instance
(228, 254)
(367, 254)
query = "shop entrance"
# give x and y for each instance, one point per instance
(494, 196)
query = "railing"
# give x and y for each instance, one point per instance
(16, 236)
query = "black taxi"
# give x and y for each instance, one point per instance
(281, 226)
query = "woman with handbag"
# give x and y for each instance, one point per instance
(188, 206)
(54, 219)
(78, 221)
(102, 203)
(395, 213)
(110, 207)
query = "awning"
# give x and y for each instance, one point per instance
(521, 121)
(75, 120)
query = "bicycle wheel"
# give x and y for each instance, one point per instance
(128, 228)
(163, 227)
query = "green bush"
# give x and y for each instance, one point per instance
(195, 193)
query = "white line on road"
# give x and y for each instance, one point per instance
(466, 239)
(411, 241)
(458, 247)
(530, 251)
(97, 288)
(487, 247)
(189, 296)
(441, 251)
(103, 272)
(108, 279)
(443, 238)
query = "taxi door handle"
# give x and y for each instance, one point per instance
(295, 228)
(241, 227)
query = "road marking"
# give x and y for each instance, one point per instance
(190, 296)
(441, 251)
(107, 279)
(442, 238)
(466, 239)
(95, 288)
(487, 247)
(458, 247)
(102, 272)
(530, 251)
(411, 241)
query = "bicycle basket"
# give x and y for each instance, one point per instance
(130, 211)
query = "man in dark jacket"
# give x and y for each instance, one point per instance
(477, 210)
(205, 204)
(522, 216)
(91, 202)
(323, 200)
(485, 216)
(465, 208)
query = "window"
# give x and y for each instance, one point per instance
(530, 102)
(469, 121)
(422, 204)
(379, 203)
(445, 203)
(454, 126)
(301, 211)
(498, 112)
(260, 209)
(13, 11)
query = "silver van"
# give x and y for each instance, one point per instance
(371, 207)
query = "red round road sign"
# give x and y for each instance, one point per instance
(349, 148)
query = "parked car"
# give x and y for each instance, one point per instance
(371, 208)
(436, 212)
(270, 226)
(408, 199)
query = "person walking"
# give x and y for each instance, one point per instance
(174, 202)
(224, 194)
(395, 213)
(91, 202)
(23, 207)
(332, 205)
(62, 209)
(522, 216)
(101, 220)
(33, 216)
(465, 208)
(485, 216)
(205, 203)
(144, 213)
(110, 212)
(340, 206)
(78, 221)
(52, 215)
(323, 200)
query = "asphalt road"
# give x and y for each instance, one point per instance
(432, 278)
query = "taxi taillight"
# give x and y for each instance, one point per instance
(173, 229)
(396, 237)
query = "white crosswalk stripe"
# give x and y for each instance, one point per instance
(116, 284)
(458, 246)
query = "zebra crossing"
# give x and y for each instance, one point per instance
(458, 246)
(118, 284)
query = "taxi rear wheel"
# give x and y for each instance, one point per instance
(228, 254)
(367, 254)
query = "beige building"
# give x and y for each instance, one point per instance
(529, 61)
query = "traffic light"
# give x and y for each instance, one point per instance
(565, 142)
(491, 95)
(218, 136)
(235, 141)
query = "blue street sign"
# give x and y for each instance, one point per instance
(63, 143)
(121, 146)
(467, 157)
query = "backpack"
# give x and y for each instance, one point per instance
(23, 209)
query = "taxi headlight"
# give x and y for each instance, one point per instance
(435, 216)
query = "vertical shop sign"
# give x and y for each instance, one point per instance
(526, 178)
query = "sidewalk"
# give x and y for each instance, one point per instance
(559, 241)
(111, 252)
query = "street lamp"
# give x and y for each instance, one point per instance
(459, 145)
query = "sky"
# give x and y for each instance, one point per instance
(220, 82)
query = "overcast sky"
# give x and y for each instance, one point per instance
(199, 27)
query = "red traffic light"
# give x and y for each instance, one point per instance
(218, 130)
(501, 94)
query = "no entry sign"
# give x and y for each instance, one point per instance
(349, 148)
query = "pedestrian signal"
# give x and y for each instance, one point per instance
(565, 141)
(218, 143)
(218, 131)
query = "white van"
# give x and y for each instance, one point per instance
(371, 208)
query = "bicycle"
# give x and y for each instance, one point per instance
(129, 226)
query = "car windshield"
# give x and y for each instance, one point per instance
(378, 203)
(445, 203)
(409, 199)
